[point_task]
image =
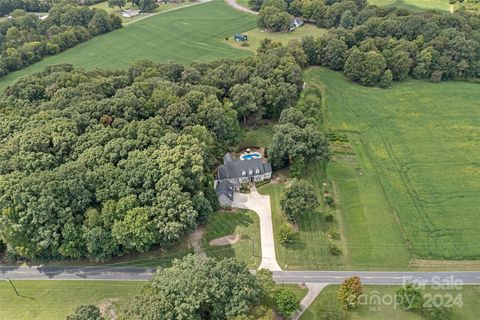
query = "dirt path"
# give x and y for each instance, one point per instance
(236, 6)
(223, 241)
(195, 238)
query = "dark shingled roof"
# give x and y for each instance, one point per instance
(225, 188)
(228, 158)
(243, 168)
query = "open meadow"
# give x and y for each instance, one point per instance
(255, 36)
(189, 34)
(414, 5)
(422, 142)
(54, 300)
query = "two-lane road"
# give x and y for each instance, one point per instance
(333, 277)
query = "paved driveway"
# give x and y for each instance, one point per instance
(261, 205)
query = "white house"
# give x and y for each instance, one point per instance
(295, 23)
(130, 13)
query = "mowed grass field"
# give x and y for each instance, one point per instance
(414, 5)
(194, 33)
(255, 36)
(422, 142)
(243, 222)
(54, 300)
(469, 296)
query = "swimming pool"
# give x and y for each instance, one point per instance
(250, 156)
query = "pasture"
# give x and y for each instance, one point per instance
(419, 142)
(54, 300)
(414, 5)
(255, 36)
(469, 295)
(116, 10)
(193, 33)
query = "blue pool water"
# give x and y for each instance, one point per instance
(250, 156)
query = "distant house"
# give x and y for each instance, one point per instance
(295, 23)
(130, 13)
(240, 37)
(233, 173)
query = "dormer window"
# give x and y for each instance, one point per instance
(257, 171)
(250, 171)
(244, 172)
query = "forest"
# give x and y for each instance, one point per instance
(101, 163)
(375, 46)
(26, 38)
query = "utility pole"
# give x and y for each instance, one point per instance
(14, 289)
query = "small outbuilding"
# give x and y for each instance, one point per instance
(240, 37)
(295, 23)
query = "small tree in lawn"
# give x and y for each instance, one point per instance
(287, 234)
(297, 199)
(86, 312)
(117, 3)
(286, 302)
(349, 292)
(410, 298)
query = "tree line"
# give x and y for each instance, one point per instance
(101, 163)
(26, 38)
(375, 46)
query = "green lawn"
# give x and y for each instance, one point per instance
(161, 7)
(243, 3)
(470, 295)
(54, 300)
(259, 137)
(243, 222)
(417, 144)
(193, 33)
(372, 235)
(414, 5)
(255, 36)
(310, 252)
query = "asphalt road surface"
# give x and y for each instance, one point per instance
(290, 277)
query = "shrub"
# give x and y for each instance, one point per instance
(349, 292)
(287, 234)
(86, 312)
(329, 201)
(334, 234)
(329, 218)
(286, 302)
(334, 249)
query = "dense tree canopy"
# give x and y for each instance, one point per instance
(96, 164)
(377, 45)
(197, 288)
(7, 6)
(297, 137)
(26, 38)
